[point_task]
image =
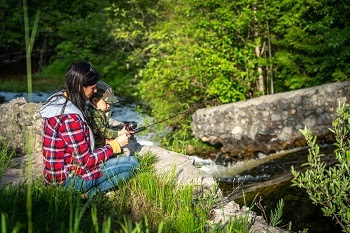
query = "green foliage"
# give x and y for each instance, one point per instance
(52, 14)
(6, 153)
(275, 217)
(139, 227)
(54, 73)
(206, 50)
(45, 200)
(175, 54)
(11, 15)
(329, 187)
(195, 56)
(183, 142)
(312, 38)
(161, 200)
(111, 38)
(193, 59)
(234, 225)
(237, 225)
(67, 213)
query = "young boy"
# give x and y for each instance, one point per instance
(98, 110)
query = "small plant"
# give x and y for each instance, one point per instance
(234, 225)
(276, 215)
(329, 187)
(6, 153)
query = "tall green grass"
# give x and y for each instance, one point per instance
(145, 203)
(29, 42)
(6, 153)
(162, 201)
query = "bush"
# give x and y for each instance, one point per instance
(329, 187)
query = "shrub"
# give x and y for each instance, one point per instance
(329, 187)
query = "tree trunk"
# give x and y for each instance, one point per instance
(270, 73)
(260, 81)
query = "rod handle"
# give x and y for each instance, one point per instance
(140, 129)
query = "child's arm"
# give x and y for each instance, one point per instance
(101, 126)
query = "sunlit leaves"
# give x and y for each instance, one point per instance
(329, 187)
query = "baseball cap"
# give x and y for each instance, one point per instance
(105, 92)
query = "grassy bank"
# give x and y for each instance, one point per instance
(146, 203)
(39, 84)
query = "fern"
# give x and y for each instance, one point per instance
(276, 215)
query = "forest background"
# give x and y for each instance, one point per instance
(172, 55)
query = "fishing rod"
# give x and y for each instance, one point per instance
(131, 126)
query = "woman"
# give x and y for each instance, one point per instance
(70, 157)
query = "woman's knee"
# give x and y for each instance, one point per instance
(133, 161)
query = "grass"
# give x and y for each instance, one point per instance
(161, 201)
(145, 203)
(49, 79)
(39, 84)
(6, 153)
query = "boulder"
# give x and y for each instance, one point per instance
(185, 171)
(21, 126)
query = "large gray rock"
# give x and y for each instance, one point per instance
(18, 172)
(271, 123)
(225, 211)
(183, 166)
(21, 126)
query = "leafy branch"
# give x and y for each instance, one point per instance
(329, 187)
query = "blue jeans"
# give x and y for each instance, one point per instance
(114, 171)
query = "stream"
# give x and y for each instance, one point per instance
(266, 178)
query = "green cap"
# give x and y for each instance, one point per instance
(105, 92)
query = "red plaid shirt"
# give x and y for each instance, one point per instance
(66, 150)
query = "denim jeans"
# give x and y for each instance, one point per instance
(114, 171)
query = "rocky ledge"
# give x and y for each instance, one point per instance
(271, 123)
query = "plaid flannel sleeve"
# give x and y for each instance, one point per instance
(76, 137)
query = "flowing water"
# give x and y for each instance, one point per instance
(267, 176)
(268, 179)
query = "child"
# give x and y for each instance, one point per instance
(98, 109)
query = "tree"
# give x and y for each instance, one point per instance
(312, 40)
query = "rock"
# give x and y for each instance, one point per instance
(223, 212)
(270, 123)
(18, 172)
(185, 171)
(21, 125)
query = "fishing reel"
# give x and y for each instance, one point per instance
(131, 126)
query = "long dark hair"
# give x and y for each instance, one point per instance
(80, 74)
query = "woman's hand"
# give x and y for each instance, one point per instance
(123, 139)
(119, 141)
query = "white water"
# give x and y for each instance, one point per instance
(240, 170)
